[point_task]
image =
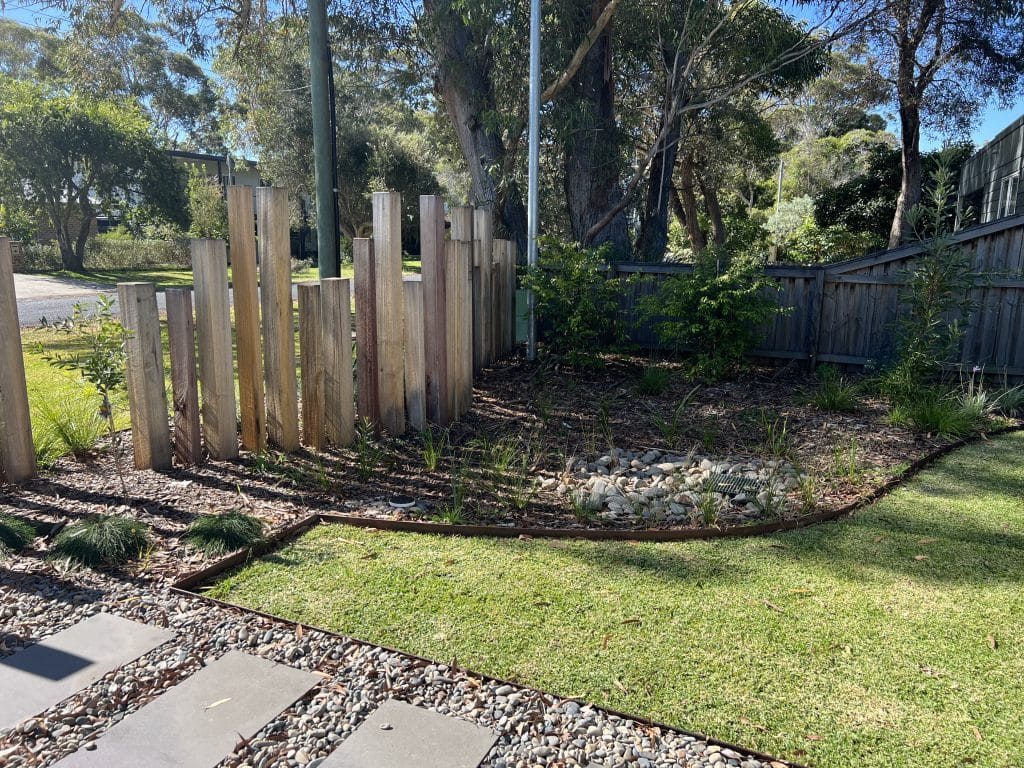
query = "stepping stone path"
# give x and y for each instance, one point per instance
(198, 722)
(34, 679)
(399, 735)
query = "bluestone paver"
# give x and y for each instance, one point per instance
(198, 722)
(42, 675)
(399, 735)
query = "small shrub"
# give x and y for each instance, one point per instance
(835, 393)
(938, 413)
(220, 534)
(70, 425)
(104, 540)
(716, 311)
(653, 380)
(1010, 401)
(15, 534)
(577, 305)
(369, 452)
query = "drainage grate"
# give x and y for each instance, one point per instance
(734, 484)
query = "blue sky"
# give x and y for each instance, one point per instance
(991, 121)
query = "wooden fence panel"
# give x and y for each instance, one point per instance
(483, 248)
(453, 333)
(278, 323)
(17, 452)
(337, 328)
(311, 356)
(433, 255)
(147, 396)
(245, 290)
(364, 265)
(213, 330)
(387, 251)
(464, 266)
(415, 375)
(181, 341)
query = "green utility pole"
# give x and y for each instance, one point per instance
(323, 140)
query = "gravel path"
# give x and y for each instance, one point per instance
(534, 729)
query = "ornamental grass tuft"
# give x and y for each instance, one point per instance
(15, 534)
(104, 540)
(220, 534)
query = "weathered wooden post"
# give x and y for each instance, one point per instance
(366, 329)
(433, 260)
(510, 288)
(17, 453)
(311, 356)
(213, 330)
(387, 251)
(415, 376)
(337, 331)
(181, 340)
(453, 331)
(278, 324)
(464, 251)
(500, 297)
(147, 398)
(241, 225)
(483, 248)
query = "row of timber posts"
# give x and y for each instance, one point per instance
(419, 339)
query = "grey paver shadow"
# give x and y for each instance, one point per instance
(199, 721)
(414, 737)
(42, 675)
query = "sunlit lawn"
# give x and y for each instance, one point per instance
(895, 638)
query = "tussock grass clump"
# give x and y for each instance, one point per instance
(941, 414)
(15, 534)
(836, 393)
(653, 380)
(68, 425)
(220, 534)
(104, 540)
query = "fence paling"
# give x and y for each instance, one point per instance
(312, 361)
(278, 328)
(17, 452)
(181, 342)
(337, 332)
(151, 443)
(387, 248)
(415, 377)
(464, 256)
(433, 256)
(241, 226)
(366, 329)
(213, 328)
(483, 248)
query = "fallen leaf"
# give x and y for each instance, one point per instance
(813, 737)
(604, 642)
(634, 620)
(217, 703)
(620, 686)
(920, 557)
(773, 606)
(298, 631)
(977, 733)
(927, 541)
(992, 642)
(542, 604)
(879, 539)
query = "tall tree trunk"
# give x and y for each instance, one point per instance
(688, 196)
(910, 152)
(714, 209)
(85, 228)
(653, 237)
(593, 162)
(677, 205)
(70, 257)
(463, 82)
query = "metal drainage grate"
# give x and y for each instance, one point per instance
(732, 485)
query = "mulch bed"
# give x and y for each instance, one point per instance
(559, 414)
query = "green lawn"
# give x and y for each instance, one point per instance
(895, 638)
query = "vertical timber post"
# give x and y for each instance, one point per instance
(312, 360)
(337, 331)
(483, 247)
(241, 226)
(278, 323)
(453, 329)
(366, 330)
(433, 258)
(181, 341)
(510, 288)
(387, 251)
(415, 377)
(147, 397)
(17, 453)
(213, 329)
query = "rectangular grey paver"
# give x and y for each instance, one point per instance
(42, 675)
(412, 736)
(198, 722)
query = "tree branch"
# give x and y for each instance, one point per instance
(563, 80)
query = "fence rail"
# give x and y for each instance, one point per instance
(418, 341)
(846, 312)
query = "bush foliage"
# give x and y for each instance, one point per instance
(104, 540)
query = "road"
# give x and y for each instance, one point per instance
(52, 298)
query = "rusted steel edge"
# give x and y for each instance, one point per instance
(185, 585)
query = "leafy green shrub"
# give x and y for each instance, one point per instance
(653, 380)
(104, 540)
(1010, 401)
(220, 534)
(105, 252)
(716, 311)
(576, 304)
(15, 534)
(811, 244)
(70, 425)
(835, 393)
(207, 208)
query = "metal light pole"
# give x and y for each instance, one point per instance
(323, 139)
(534, 171)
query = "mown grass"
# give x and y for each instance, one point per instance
(895, 638)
